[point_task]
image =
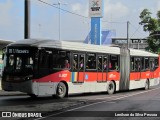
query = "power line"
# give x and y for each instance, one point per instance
(63, 9)
(137, 29)
(114, 22)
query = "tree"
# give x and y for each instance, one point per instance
(158, 16)
(145, 17)
(151, 25)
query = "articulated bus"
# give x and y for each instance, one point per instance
(50, 67)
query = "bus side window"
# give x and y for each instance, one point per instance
(113, 62)
(66, 59)
(100, 63)
(142, 63)
(45, 58)
(81, 62)
(75, 62)
(105, 63)
(137, 64)
(60, 59)
(54, 59)
(156, 62)
(132, 64)
(146, 62)
(91, 61)
(152, 64)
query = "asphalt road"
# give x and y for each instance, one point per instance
(132, 105)
(100, 106)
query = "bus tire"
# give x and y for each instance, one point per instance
(61, 90)
(111, 88)
(146, 87)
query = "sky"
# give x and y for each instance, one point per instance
(45, 18)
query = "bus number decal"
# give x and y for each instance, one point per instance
(63, 75)
(147, 75)
(112, 76)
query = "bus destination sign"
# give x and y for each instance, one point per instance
(18, 51)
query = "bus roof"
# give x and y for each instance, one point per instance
(78, 47)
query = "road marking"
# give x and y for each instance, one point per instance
(111, 100)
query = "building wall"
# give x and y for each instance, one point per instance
(134, 43)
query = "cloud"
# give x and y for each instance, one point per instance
(158, 5)
(76, 7)
(116, 10)
(80, 9)
(4, 13)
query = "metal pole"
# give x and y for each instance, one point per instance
(59, 20)
(88, 31)
(27, 19)
(127, 34)
(59, 7)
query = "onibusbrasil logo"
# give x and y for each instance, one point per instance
(95, 3)
(95, 6)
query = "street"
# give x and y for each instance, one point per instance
(99, 105)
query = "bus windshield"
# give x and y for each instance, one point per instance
(19, 63)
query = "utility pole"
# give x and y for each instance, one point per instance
(128, 34)
(27, 19)
(59, 7)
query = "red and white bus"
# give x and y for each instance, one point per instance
(49, 67)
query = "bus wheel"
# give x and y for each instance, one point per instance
(61, 90)
(146, 85)
(111, 87)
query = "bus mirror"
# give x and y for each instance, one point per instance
(3, 56)
(3, 52)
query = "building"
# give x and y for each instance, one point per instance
(135, 43)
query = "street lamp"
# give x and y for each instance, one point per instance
(59, 7)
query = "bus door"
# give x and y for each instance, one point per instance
(151, 66)
(102, 68)
(105, 67)
(81, 70)
(138, 68)
(78, 68)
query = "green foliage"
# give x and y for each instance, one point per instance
(145, 17)
(0, 52)
(154, 44)
(158, 16)
(159, 51)
(151, 25)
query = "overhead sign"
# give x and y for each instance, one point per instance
(18, 51)
(95, 8)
